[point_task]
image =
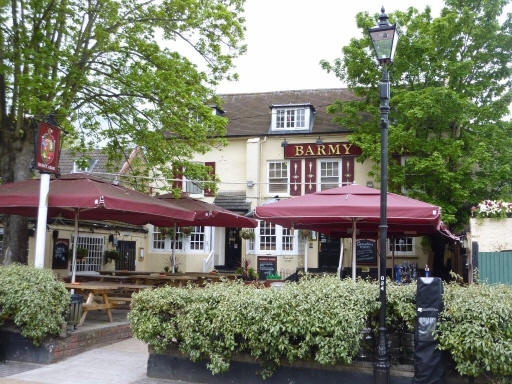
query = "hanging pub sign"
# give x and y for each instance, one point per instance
(321, 150)
(47, 148)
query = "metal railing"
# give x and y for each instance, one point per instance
(208, 263)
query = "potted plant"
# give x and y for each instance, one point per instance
(110, 256)
(247, 234)
(81, 253)
(187, 231)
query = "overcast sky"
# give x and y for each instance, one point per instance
(286, 39)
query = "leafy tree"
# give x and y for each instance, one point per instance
(450, 96)
(112, 73)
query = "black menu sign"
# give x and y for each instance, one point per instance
(60, 254)
(366, 252)
(267, 265)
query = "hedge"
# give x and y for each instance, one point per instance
(33, 300)
(319, 319)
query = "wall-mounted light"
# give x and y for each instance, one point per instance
(141, 254)
(369, 184)
(250, 183)
(55, 234)
(284, 143)
(319, 140)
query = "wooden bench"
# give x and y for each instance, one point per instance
(120, 300)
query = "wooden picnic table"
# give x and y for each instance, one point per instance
(102, 290)
(124, 273)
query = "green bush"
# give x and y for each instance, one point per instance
(33, 300)
(401, 307)
(476, 329)
(318, 318)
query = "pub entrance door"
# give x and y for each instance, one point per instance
(126, 261)
(233, 248)
(328, 252)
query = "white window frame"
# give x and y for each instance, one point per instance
(319, 172)
(184, 181)
(92, 163)
(410, 253)
(287, 193)
(85, 268)
(285, 110)
(186, 243)
(279, 244)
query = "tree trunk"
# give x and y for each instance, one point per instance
(16, 155)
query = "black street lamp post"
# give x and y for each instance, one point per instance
(384, 38)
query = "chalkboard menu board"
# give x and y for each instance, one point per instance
(366, 252)
(60, 254)
(267, 265)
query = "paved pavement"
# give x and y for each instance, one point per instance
(119, 363)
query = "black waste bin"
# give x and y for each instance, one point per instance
(428, 360)
(75, 310)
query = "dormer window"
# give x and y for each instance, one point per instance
(78, 166)
(291, 117)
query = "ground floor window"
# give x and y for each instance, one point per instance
(197, 241)
(95, 245)
(402, 245)
(273, 239)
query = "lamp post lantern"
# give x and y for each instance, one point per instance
(384, 38)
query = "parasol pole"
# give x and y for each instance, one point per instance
(392, 258)
(42, 215)
(75, 244)
(306, 246)
(340, 265)
(354, 249)
(174, 249)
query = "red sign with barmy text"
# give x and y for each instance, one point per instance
(47, 148)
(321, 150)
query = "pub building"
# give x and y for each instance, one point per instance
(279, 145)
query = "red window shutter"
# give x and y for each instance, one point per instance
(295, 177)
(310, 175)
(178, 176)
(209, 192)
(348, 170)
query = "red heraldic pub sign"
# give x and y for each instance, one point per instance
(47, 148)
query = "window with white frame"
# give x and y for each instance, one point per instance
(95, 245)
(197, 239)
(267, 236)
(290, 117)
(329, 175)
(273, 239)
(196, 242)
(192, 187)
(251, 242)
(402, 246)
(84, 165)
(278, 176)
(287, 237)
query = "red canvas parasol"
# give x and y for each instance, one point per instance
(209, 215)
(334, 211)
(82, 196)
(355, 210)
(95, 199)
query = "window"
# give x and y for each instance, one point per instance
(192, 187)
(402, 245)
(287, 239)
(158, 239)
(290, 117)
(162, 240)
(197, 239)
(329, 175)
(95, 246)
(277, 177)
(267, 236)
(251, 242)
(78, 165)
(273, 239)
